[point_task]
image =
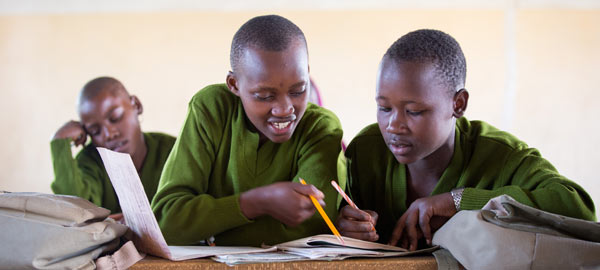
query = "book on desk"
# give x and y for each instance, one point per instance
(149, 239)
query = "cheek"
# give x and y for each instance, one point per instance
(129, 125)
(97, 141)
(382, 122)
(255, 110)
(300, 106)
(435, 130)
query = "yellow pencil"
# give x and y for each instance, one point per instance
(324, 215)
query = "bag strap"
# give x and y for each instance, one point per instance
(122, 259)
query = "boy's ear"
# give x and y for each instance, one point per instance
(460, 100)
(232, 83)
(137, 104)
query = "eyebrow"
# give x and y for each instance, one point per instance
(111, 110)
(298, 84)
(273, 89)
(405, 102)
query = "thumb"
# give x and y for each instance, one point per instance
(309, 190)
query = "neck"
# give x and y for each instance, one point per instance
(140, 154)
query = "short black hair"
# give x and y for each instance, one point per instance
(92, 88)
(269, 33)
(433, 46)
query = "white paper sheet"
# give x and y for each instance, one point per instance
(139, 217)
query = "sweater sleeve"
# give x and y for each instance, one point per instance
(75, 177)
(532, 180)
(183, 208)
(318, 165)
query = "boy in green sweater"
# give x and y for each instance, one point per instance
(233, 173)
(109, 116)
(423, 161)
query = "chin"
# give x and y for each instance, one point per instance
(405, 159)
(280, 139)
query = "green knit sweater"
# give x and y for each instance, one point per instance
(486, 161)
(86, 177)
(217, 157)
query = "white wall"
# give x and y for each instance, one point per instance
(532, 66)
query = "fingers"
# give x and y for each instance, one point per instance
(80, 139)
(117, 216)
(353, 225)
(72, 130)
(305, 203)
(356, 224)
(374, 217)
(424, 218)
(411, 230)
(310, 190)
(350, 212)
(398, 230)
(297, 218)
(406, 231)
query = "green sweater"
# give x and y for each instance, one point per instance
(217, 157)
(486, 161)
(86, 177)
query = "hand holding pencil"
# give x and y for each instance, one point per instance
(287, 202)
(324, 215)
(356, 223)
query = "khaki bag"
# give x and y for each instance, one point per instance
(506, 234)
(44, 231)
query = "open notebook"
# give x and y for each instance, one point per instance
(327, 246)
(320, 247)
(139, 217)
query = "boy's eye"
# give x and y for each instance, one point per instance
(263, 97)
(383, 109)
(298, 93)
(414, 113)
(115, 118)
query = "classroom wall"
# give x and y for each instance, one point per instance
(532, 71)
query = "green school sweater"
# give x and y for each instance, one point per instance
(86, 177)
(486, 161)
(217, 157)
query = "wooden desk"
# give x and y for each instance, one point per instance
(408, 263)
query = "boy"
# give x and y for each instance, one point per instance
(109, 116)
(233, 173)
(423, 162)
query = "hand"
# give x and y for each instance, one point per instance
(287, 202)
(357, 223)
(73, 130)
(118, 218)
(429, 213)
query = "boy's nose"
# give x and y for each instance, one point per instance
(110, 133)
(283, 108)
(397, 124)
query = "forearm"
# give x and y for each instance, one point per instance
(186, 219)
(559, 198)
(68, 178)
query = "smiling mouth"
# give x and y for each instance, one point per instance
(281, 125)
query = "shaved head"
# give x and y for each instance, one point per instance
(268, 33)
(98, 85)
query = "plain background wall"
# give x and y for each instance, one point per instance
(532, 68)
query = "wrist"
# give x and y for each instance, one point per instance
(456, 194)
(249, 204)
